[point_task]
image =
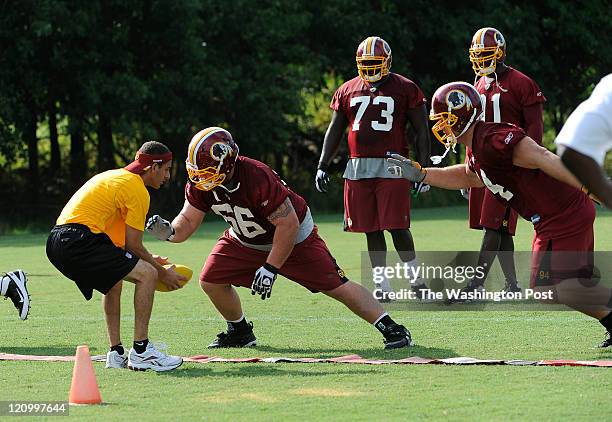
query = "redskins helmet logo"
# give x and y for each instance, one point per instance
(499, 39)
(457, 99)
(219, 151)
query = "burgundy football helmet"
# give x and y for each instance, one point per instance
(454, 108)
(211, 157)
(487, 49)
(373, 59)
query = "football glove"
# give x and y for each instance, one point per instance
(264, 280)
(160, 228)
(465, 192)
(403, 167)
(420, 187)
(322, 178)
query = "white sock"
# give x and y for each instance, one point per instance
(413, 265)
(384, 284)
(237, 321)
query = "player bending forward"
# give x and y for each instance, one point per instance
(533, 181)
(271, 232)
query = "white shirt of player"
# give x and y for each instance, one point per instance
(588, 129)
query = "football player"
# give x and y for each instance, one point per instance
(512, 97)
(586, 137)
(13, 286)
(534, 182)
(271, 232)
(376, 106)
(97, 242)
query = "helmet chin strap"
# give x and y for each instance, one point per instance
(230, 190)
(452, 144)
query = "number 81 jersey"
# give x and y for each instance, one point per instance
(377, 115)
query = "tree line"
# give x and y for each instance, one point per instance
(82, 84)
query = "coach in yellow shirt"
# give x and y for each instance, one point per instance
(97, 243)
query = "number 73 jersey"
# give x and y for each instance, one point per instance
(377, 115)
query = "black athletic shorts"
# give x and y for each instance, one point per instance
(91, 260)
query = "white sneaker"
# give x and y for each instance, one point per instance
(153, 359)
(13, 286)
(115, 360)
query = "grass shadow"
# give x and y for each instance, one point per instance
(56, 350)
(250, 370)
(372, 353)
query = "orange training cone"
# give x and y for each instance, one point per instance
(84, 388)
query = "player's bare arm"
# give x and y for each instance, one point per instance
(591, 174)
(453, 177)
(419, 121)
(186, 222)
(287, 224)
(133, 243)
(528, 154)
(333, 136)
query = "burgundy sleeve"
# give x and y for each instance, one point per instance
(271, 192)
(336, 102)
(501, 145)
(416, 98)
(534, 124)
(468, 161)
(530, 93)
(195, 197)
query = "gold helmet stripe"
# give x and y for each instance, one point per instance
(198, 140)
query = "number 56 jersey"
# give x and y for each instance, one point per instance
(377, 115)
(246, 208)
(555, 208)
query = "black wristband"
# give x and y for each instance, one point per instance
(271, 268)
(323, 166)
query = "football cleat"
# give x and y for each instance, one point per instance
(607, 341)
(511, 287)
(115, 360)
(397, 336)
(422, 292)
(235, 338)
(154, 359)
(13, 286)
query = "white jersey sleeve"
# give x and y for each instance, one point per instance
(588, 129)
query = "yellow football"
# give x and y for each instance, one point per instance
(182, 270)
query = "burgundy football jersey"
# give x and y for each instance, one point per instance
(507, 106)
(555, 208)
(377, 115)
(246, 210)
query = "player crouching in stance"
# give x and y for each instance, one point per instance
(97, 242)
(13, 286)
(271, 232)
(534, 182)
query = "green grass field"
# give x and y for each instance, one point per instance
(297, 323)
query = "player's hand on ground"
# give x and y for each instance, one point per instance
(465, 192)
(161, 260)
(171, 278)
(321, 180)
(160, 228)
(264, 280)
(403, 167)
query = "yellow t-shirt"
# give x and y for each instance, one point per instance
(107, 202)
